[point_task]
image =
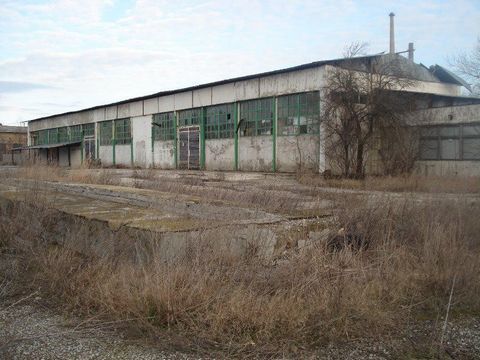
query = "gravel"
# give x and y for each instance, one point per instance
(30, 332)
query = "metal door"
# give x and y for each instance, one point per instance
(89, 147)
(189, 146)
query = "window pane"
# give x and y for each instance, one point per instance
(106, 133)
(299, 113)
(450, 131)
(471, 130)
(256, 117)
(163, 126)
(428, 149)
(471, 149)
(450, 149)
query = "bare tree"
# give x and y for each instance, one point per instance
(362, 97)
(468, 65)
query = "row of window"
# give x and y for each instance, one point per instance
(297, 114)
(452, 142)
(120, 130)
(65, 134)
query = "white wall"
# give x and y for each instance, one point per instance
(123, 155)
(106, 155)
(164, 155)
(142, 140)
(220, 154)
(255, 153)
(295, 150)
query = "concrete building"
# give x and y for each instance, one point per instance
(263, 122)
(11, 137)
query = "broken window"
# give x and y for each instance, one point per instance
(219, 122)
(163, 126)
(88, 129)
(190, 117)
(257, 117)
(299, 114)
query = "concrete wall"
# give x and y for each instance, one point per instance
(446, 115)
(123, 155)
(255, 153)
(164, 155)
(142, 140)
(447, 168)
(76, 156)
(298, 152)
(63, 156)
(220, 154)
(106, 155)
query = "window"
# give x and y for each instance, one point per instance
(52, 136)
(452, 142)
(219, 122)
(42, 137)
(163, 126)
(88, 129)
(190, 117)
(256, 117)
(63, 135)
(122, 131)
(76, 133)
(106, 133)
(299, 114)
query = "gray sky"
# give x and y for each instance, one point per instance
(63, 55)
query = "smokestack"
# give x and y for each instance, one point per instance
(410, 51)
(392, 33)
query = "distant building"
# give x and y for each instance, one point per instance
(11, 137)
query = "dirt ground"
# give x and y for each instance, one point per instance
(180, 205)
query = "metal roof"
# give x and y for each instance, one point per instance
(449, 77)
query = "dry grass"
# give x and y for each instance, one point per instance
(410, 183)
(245, 305)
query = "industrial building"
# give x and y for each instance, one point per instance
(11, 138)
(264, 122)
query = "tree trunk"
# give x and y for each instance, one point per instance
(359, 171)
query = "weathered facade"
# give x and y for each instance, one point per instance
(265, 122)
(11, 137)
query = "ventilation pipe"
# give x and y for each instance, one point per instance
(392, 33)
(410, 51)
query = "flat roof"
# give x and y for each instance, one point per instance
(12, 129)
(49, 146)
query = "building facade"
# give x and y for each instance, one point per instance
(266, 122)
(11, 137)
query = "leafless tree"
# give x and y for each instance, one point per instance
(362, 98)
(468, 65)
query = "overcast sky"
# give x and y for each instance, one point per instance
(63, 55)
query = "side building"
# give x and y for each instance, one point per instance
(265, 122)
(11, 137)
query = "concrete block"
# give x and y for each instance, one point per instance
(150, 106)
(183, 100)
(223, 94)
(111, 112)
(166, 103)
(202, 97)
(99, 114)
(248, 89)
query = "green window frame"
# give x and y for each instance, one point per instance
(299, 114)
(106, 133)
(219, 122)
(190, 117)
(163, 126)
(52, 136)
(43, 137)
(123, 134)
(76, 133)
(63, 135)
(257, 116)
(88, 129)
